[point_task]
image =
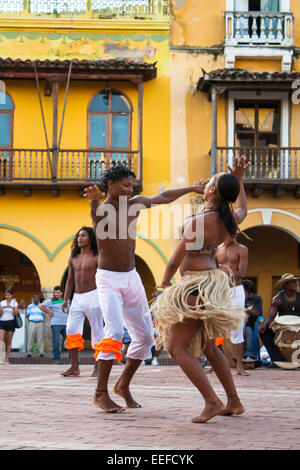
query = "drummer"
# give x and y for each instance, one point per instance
(286, 302)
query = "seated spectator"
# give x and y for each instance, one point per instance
(286, 302)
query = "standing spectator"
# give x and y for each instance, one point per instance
(253, 304)
(53, 308)
(35, 325)
(8, 311)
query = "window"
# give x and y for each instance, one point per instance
(256, 5)
(6, 118)
(109, 128)
(257, 130)
(6, 133)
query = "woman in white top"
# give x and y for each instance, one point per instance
(8, 312)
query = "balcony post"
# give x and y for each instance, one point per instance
(140, 132)
(214, 99)
(55, 88)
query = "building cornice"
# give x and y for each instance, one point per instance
(90, 25)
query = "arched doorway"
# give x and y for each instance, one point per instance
(273, 252)
(17, 272)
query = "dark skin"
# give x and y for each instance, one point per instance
(81, 277)
(290, 290)
(182, 333)
(233, 255)
(117, 254)
(250, 311)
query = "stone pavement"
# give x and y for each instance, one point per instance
(41, 410)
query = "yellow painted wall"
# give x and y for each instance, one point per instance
(40, 224)
(196, 34)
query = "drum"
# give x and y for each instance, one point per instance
(287, 339)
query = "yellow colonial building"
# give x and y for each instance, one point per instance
(174, 90)
(234, 87)
(84, 85)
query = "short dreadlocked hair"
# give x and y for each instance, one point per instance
(115, 173)
(75, 249)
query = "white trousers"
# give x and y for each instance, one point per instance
(238, 300)
(123, 302)
(86, 305)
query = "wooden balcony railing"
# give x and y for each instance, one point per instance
(71, 166)
(259, 28)
(268, 164)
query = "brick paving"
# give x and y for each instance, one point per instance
(41, 410)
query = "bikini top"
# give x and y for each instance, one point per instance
(207, 247)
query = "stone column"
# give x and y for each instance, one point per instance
(47, 294)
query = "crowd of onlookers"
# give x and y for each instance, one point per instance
(284, 303)
(35, 314)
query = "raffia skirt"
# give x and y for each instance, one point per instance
(212, 307)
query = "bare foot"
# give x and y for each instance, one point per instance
(125, 393)
(234, 407)
(241, 371)
(210, 410)
(210, 371)
(71, 371)
(103, 400)
(95, 371)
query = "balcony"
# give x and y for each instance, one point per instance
(275, 168)
(52, 169)
(97, 9)
(259, 34)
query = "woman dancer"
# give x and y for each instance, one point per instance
(192, 313)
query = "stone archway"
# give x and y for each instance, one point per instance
(17, 272)
(274, 251)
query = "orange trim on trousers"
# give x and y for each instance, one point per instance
(75, 341)
(109, 345)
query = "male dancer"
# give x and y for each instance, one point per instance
(121, 293)
(233, 255)
(83, 264)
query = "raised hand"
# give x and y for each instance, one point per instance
(93, 193)
(240, 166)
(199, 188)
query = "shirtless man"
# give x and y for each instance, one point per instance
(234, 255)
(123, 299)
(83, 264)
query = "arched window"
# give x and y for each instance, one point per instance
(109, 119)
(109, 130)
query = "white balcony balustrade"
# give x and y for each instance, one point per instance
(259, 28)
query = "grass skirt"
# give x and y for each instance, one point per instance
(212, 307)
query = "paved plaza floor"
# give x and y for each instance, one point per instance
(41, 410)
